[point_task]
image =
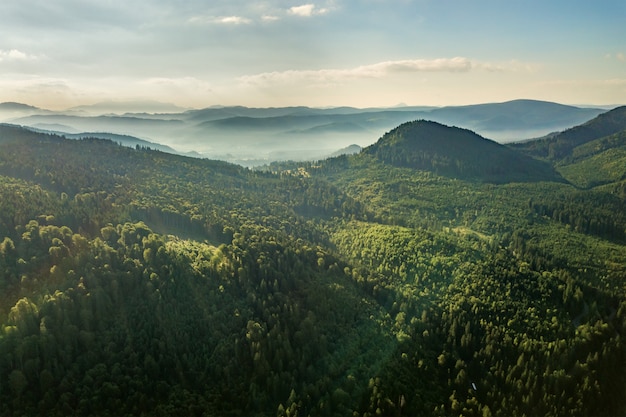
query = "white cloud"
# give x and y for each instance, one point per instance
(378, 70)
(233, 20)
(269, 18)
(385, 69)
(507, 66)
(417, 65)
(15, 55)
(307, 10)
(226, 20)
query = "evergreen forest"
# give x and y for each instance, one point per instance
(435, 273)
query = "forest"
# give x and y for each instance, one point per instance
(435, 273)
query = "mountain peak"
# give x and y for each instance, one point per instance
(456, 152)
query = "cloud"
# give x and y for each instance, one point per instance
(507, 66)
(269, 18)
(378, 70)
(384, 69)
(225, 20)
(457, 64)
(233, 20)
(15, 55)
(307, 10)
(263, 12)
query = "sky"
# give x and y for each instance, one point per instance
(57, 54)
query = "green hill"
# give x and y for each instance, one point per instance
(137, 282)
(560, 146)
(588, 155)
(602, 161)
(455, 152)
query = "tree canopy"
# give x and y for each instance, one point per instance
(135, 282)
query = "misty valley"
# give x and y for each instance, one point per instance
(233, 261)
(258, 136)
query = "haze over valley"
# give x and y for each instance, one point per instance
(255, 136)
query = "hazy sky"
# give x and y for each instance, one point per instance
(197, 53)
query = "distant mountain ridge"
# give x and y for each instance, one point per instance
(124, 140)
(262, 134)
(518, 114)
(13, 106)
(10, 110)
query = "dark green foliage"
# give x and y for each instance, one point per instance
(595, 213)
(589, 155)
(455, 152)
(561, 145)
(393, 282)
(602, 161)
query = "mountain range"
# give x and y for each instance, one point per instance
(254, 136)
(432, 272)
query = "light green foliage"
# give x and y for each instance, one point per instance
(606, 167)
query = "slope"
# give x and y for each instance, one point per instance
(125, 140)
(455, 152)
(560, 146)
(601, 161)
(566, 243)
(235, 303)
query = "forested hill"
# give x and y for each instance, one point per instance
(136, 282)
(560, 146)
(456, 152)
(588, 155)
